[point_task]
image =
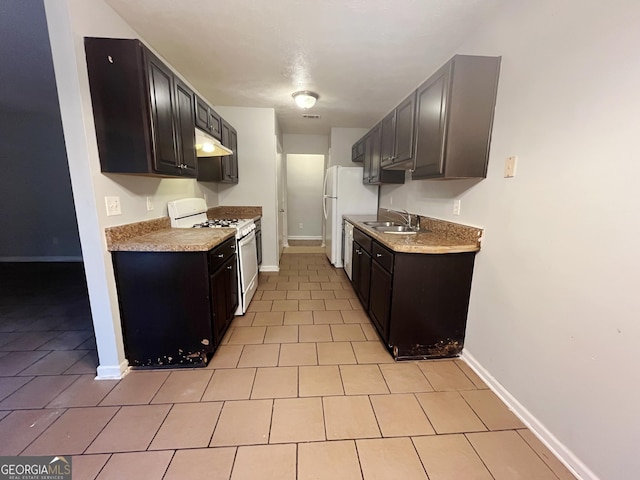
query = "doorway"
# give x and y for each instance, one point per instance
(305, 177)
(45, 315)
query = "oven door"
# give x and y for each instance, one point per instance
(248, 270)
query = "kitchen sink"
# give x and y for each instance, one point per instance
(395, 229)
(383, 224)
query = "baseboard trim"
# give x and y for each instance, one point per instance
(112, 372)
(302, 237)
(39, 259)
(559, 449)
(269, 268)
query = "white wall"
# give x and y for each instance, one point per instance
(305, 144)
(305, 176)
(342, 139)
(37, 215)
(554, 304)
(256, 129)
(68, 22)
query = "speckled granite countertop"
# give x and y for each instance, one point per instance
(174, 240)
(435, 236)
(157, 235)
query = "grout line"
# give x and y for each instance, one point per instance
(109, 455)
(536, 452)
(425, 412)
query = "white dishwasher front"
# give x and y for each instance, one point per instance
(348, 247)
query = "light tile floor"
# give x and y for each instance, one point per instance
(300, 389)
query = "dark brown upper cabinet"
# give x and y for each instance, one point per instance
(388, 138)
(373, 174)
(229, 162)
(207, 119)
(357, 151)
(144, 115)
(454, 118)
(397, 136)
(222, 169)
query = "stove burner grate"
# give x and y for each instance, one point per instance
(218, 223)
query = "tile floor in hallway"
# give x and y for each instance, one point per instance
(301, 388)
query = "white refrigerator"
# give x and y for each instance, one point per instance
(344, 194)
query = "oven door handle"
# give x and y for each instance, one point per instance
(247, 239)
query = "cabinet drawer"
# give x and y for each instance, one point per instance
(363, 239)
(383, 256)
(221, 254)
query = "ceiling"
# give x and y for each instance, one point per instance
(361, 56)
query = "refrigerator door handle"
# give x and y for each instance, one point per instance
(324, 185)
(324, 205)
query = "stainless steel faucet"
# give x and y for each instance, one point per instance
(406, 218)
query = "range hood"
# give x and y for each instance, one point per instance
(207, 146)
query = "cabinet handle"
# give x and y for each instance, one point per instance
(229, 267)
(220, 255)
(378, 255)
(233, 247)
(359, 252)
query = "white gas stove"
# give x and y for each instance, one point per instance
(192, 213)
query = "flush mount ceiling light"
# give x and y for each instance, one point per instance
(305, 99)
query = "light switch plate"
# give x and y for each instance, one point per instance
(456, 207)
(150, 205)
(113, 206)
(510, 167)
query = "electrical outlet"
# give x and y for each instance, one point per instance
(456, 207)
(149, 204)
(390, 201)
(113, 206)
(510, 167)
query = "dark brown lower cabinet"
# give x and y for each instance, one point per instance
(361, 272)
(379, 298)
(224, 297)
(175, 306)
(417, 302)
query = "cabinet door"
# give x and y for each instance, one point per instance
(259, 245)
(366, 170)
(357, 151)
(355, 266)
(230, 162)
(232, 293)
(380, 299)
(405, 122)
(361, 272)
(375, 153)
(219, 306)
(202, 114)
(162, 107)
(185, 130)
(224, 296)
(430, 125)
(388, 139)
(215, 124)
